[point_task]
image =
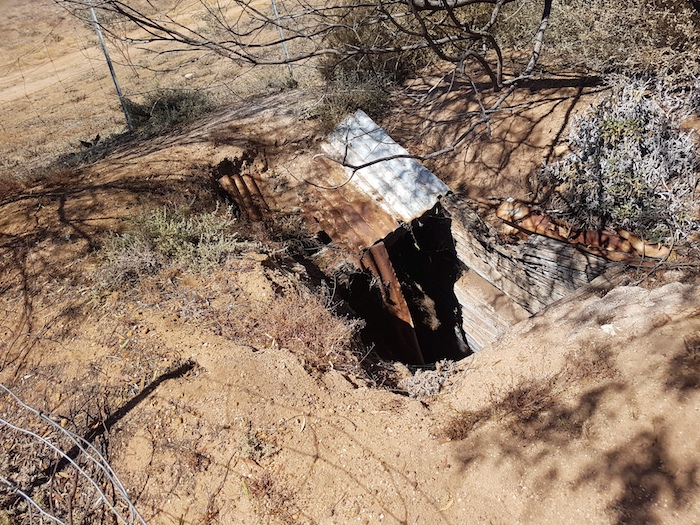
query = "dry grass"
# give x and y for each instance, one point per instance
(634, 37)
(272, 501)
(168, 237)
(298, 320)
(347, 92)
(167, 108)
(165, 249)
(257, 444)
(57, 466)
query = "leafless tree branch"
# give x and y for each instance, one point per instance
(374, 32)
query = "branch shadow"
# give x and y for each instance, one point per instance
(683, 370)
(409, 494)
(49, 229)
(498, 157)
(636, 470)
(648, 475)
(112, 419)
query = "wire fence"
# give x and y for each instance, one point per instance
(58, 95)
(50, 474)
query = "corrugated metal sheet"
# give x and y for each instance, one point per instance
(401, 186)
(357, 208)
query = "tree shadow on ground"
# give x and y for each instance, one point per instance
(536, 411)
(640, 473)
(51, 229)
(649, 475)
(683, 371)
(40, 459)
(499, 154)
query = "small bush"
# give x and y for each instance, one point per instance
(362, 80)
(347, 93)
(303, 322)
(630, 167)
(370, 27)
(652, 37)
(169, 236)
(167, 108)
(257, 444)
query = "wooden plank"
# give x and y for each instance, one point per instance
(533, 274)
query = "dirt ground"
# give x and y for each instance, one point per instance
(210, 413)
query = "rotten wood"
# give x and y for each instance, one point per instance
(533, 274)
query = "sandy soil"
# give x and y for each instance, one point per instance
(585, 413)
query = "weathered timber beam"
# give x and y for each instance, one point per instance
(533, 274)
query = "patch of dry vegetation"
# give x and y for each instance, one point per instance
(298, 320)
(57, 466)
(162, 250)
(272, 501)
(658, 38)
(167, 108)
(168, 237)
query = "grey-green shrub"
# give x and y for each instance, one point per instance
(167, 108)
(630, 167)
(170, 236)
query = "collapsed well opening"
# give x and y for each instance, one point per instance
(423, 260)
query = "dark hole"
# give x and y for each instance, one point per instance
(323, 237)
(365, 299)
(425, 261)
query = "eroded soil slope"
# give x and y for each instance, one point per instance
(584, 413)
(200, 389)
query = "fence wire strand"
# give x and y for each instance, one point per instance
(91, 456)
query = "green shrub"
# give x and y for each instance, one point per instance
(167, 108)
(630, 167)
(170, 236)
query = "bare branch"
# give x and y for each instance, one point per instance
(356, 37)
(439, 5)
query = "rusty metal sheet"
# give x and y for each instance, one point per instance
(376, 260)
(245, 192)
(359, 208)
(400, 185)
